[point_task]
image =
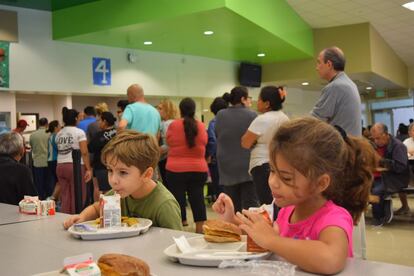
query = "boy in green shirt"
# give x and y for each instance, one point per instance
(131, 158)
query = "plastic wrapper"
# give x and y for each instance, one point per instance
(30, 205)
(259, 267)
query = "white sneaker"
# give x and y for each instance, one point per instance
(389, 213)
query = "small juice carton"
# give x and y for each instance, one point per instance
(47, 207)
(251, 245)
(110, 209)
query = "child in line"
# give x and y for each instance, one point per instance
(131, 158)
(321, 179)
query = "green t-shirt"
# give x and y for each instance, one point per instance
(159, 206)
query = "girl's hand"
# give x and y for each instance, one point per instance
(72, 220)
(224, 208)
(257, 227)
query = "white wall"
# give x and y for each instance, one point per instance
(59, 101)
(42, 104)
(8, 104)
(298, 102)
(411, 77)
(37, 63)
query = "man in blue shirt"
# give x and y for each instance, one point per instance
(139, 115)
(90, 117)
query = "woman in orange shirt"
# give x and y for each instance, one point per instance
(186, 165)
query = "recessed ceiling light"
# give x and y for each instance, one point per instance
(409, 5)
(261, 54)
(208, 32)
(305, 83)
(147, 42)
(368, 88)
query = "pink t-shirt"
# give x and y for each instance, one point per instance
(329, 215)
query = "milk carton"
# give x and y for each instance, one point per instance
(110, 207)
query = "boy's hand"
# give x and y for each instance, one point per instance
(257, 227)
(72, 220)
(224, 207)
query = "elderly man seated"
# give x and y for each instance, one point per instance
(392, 176)
(15, 178)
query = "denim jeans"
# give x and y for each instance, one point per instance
(378, 189)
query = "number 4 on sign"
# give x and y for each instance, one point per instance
(101, 68)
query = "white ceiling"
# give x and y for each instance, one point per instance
(394, 22)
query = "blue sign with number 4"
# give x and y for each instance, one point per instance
(101, 68)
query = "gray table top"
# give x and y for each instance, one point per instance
(41, 245)
(10, 214)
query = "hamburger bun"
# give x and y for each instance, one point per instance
(122, 265)
(220, 231)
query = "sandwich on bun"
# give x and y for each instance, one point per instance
(122, 265)
(220, 231)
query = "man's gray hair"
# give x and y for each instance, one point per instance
(11, 143)
(380, 126)
(336, 56)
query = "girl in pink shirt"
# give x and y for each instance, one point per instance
(321, 179)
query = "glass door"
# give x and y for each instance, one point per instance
(385, 117)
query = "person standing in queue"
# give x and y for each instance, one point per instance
(260, 133)
(69, 138)
(232, 158)
(186, 167)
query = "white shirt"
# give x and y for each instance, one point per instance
(68, 139)
(264, 126)
(409, 143)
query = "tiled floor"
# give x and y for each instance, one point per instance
(392, 243)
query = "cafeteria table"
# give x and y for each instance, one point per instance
(10, 214)
(41, 245)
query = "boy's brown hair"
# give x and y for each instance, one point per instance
(314, 148)
(133, 149)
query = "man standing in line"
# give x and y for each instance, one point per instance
(139, 115)
(90, 117)
(39, 143)
(340, 103)
(21, 127)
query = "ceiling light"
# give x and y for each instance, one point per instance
(305, 83)
(261, 54)
(368, 88)
(409, 5)
(208, 32)
(147, 42)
